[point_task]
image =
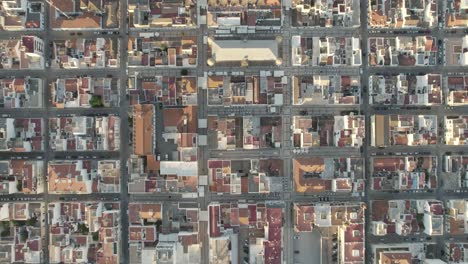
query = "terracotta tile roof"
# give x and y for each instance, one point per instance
(379, 210)
(63, 178)
(174, 117)
(28, 43)
(391, 258)
(143, 129)
(214, 224)
(304, 218)
(64, 5)
(150, 233)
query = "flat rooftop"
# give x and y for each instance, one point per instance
(238, 50)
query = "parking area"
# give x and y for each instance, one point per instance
(308, 247)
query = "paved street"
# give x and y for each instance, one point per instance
(287, 111)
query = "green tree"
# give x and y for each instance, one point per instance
(18, 223)
(24, 234)
(5, 233)
(31, 221)
(96, 101)
(158, 224)
(95, 236)
(19, 185)
(83, 229)
(420, 219)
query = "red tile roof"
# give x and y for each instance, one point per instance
(214, 221)
(28, 43)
